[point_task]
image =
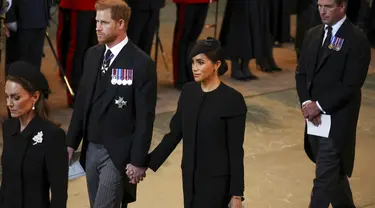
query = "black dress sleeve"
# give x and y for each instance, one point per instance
(57, 169)
(235, 125)
(169, 142)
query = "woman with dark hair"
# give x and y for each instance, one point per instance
(34, 158)
(210, 118)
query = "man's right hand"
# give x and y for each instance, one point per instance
(70, 154)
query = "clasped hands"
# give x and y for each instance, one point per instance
(312, 112)
(135, 174)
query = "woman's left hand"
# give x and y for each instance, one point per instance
(235, 203)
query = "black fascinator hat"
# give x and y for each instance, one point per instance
(212, 49)
(28, 72)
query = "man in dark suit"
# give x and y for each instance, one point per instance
(32, 19)
(143, 22)
(114, 110)
(332, 69)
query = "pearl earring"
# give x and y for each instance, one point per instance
(33, 107)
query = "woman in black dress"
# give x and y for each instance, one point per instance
(245, 34)
(210, 118)
(34, 158)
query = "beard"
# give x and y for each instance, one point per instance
(105, 39)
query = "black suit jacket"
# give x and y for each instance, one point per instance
(335, 82)
(126, 132)
(30, 14)
(30, 169)
(146, 4)
(223, 137)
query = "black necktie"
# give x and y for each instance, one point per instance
(328, 37)
(107, 60)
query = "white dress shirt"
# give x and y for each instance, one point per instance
(116, 49)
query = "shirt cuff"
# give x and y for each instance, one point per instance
(306, 102)
(320, 107)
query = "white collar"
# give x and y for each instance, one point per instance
(336, 26)
(117, 48)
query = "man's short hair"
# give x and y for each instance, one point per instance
(339, 2)
(119, 9)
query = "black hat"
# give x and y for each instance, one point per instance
(31, 74)
(204, 46)
(210, 44)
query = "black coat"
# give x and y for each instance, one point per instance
(212, 126)
(336, 84)
(126, 131)
(280, 20)
(146, 4)
(245, 31)
(30, 169)
(30, 14)
(307, 18)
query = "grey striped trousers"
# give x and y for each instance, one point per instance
(104, 180)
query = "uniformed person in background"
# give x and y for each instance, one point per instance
(30, 22)
(191, 16)
(75, 34)
(143, 22)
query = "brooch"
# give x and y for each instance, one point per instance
(38, 138)
(120, 102)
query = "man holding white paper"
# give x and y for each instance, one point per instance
(331, 71)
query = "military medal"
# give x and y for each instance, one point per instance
(120, 102)
(105, 64)
(113, 80)
(130, 76)
(336, 43)
(124, 77)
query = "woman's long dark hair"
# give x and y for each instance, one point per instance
(41, 107)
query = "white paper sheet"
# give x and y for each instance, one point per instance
(323, 129)
(76, 170)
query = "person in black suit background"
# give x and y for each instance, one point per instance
(331, 71)
(143, 22)
(307, 18)
(245, 34)
(280, 21)
(34, 158)
(211, 119)
(115, 109)
(32, 19)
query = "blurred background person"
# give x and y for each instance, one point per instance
(34, 158)
(75, 34)
(191, 16)
(143, 22)
(27, 39)
(245, 34)
(211, 119)
(307, 17)
(280, 21)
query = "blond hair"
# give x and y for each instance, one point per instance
(119, 9)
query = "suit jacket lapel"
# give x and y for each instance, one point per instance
(94, 73)
(340, 33)
(119, 62)
(317, 44)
